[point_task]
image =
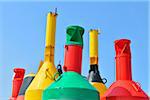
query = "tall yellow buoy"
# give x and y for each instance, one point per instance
(94, 76)
(46, 71)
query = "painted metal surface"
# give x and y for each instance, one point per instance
(124, 88)
(94, 76)
(73, 49)
(17, 82)
(74, 35)
(71, 85)
(25, 84)
(73, 58)
(93, 42)
(45, 75)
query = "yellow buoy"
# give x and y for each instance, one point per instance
(46, 71)
(94, 75)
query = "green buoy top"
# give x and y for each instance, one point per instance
(74, 35)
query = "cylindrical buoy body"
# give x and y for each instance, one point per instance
(50, 37)
(50, 29)
(17, 81)
(123, 60)
(93, 34)
(73, 49)
(73, 58)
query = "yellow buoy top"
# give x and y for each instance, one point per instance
(93, 46)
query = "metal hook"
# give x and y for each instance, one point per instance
(104, 81)
(59, 68)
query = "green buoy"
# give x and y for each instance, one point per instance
(71, 85)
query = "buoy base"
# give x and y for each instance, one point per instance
(125, 90)
(100, 87)
(71, 86)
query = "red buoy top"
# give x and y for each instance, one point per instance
(19, 73)
(123, 59)
(17, 81)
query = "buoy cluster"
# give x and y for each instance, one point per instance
(67, 83)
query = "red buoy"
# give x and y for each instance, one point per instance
(124, 88)
(73, 58)
(17, 81)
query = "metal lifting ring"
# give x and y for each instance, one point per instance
(104, 81)
(57, 73)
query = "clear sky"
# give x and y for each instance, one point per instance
(22, 36)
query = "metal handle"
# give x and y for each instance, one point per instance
(57, 73)
(59, 69)
(48, 74)
(104, 81)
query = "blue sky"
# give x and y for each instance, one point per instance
(22, 36)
